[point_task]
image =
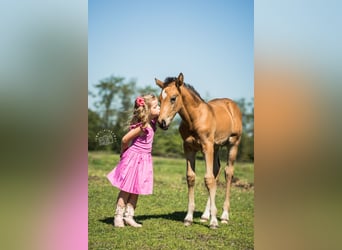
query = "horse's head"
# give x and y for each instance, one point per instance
(170, 100)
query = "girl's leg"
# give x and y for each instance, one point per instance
(132, 200)
(122, 198)
(120, 209)
(131, 205)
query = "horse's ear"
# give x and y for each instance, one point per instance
(159, 83)
(180, 80)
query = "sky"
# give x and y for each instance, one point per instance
(210, 42)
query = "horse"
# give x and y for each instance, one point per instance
(205, 126)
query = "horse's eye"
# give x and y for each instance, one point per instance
(173, 99)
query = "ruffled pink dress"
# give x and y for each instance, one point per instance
(134, 172)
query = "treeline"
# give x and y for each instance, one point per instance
(107, 123)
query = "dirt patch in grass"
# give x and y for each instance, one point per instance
(236, 182)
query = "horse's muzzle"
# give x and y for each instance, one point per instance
(163, 125)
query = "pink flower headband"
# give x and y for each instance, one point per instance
(140, 101)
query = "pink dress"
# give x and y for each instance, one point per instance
(134, 173)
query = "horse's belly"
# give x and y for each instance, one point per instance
(221, 141)
(192, 142)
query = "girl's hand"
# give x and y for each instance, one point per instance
(122, 154)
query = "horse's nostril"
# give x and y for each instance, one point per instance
(162, 124)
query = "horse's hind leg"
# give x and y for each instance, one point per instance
(206, 214)
(229, 173)
(190, 177)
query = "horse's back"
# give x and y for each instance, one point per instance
(228, 115)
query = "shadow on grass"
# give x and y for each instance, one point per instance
(175, 216)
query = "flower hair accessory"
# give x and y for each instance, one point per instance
(140, 101)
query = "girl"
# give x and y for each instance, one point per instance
(134, 173)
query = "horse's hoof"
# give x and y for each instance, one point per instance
(213, 224)
(187, 223)
(224, 221)
(203, 219)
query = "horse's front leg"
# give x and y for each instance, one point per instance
(190, 177)
(210, 181)
(206, 214)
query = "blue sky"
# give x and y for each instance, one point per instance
(210, 42)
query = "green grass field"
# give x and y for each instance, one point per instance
(162, 213)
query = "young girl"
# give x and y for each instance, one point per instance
(134, 173)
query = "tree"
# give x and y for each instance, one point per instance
(247, 110)
(246, 148)
(149, 90)
(95, 124)
(169, 143)
(115, 99)
(126, 95)
(107, 90)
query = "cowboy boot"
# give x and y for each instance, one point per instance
(128, 218)
(118, 217)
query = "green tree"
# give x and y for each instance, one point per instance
(246, 149)
(108, 89)
(126, 95)
(247, 109)
(95, 124)
(115, 97)
(169, 143)
(149, 90)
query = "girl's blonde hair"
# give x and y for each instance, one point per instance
(141, 112)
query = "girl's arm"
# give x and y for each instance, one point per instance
(126, 140)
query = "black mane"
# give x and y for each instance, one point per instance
(169, 80)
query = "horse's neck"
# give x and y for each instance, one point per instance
(189, 111)
(184, 114)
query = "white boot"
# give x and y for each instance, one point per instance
(118, 217)
(128, 218)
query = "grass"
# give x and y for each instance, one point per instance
(163, 212)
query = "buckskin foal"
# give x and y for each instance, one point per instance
(205, 126)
